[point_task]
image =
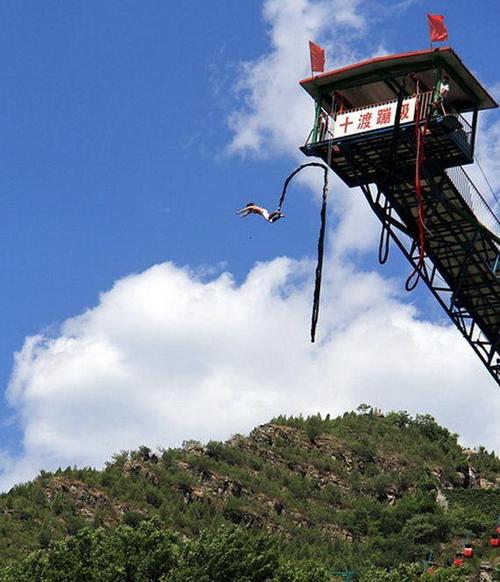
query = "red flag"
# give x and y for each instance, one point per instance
(317, 57)
(437, 27)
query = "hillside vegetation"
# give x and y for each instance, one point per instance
(296, 499)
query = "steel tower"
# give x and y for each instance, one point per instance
(401, 127)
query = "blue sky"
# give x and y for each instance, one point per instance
(120, 151)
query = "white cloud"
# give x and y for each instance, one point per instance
(488, 154)
(166, 356)
(277, 114)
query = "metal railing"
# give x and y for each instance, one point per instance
(425, 101)
(326, 120)
(474, 199)
(462, 135)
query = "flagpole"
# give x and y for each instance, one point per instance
(311, 59)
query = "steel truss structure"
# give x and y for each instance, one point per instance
(461, 254)
(448, 297)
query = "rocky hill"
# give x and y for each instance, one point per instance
(360, 491)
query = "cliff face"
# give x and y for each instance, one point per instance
(392, 484)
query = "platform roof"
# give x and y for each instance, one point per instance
(377, 80)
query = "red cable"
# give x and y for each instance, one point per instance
(420, 134)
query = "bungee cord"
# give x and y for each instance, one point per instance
(384, 242)
(420, 133)
(321, 238)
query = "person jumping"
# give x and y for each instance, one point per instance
(252, 208)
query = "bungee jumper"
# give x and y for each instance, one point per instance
(252, 208)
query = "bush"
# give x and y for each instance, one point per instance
(149, 552)
(132, 518)
(426, 529)
(314, 427)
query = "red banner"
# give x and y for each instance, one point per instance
(317, 57)
(437, 27)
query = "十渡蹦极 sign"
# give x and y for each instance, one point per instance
(374, 117)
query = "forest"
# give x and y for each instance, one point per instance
(384, 496)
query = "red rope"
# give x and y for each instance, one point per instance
(420, 133)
